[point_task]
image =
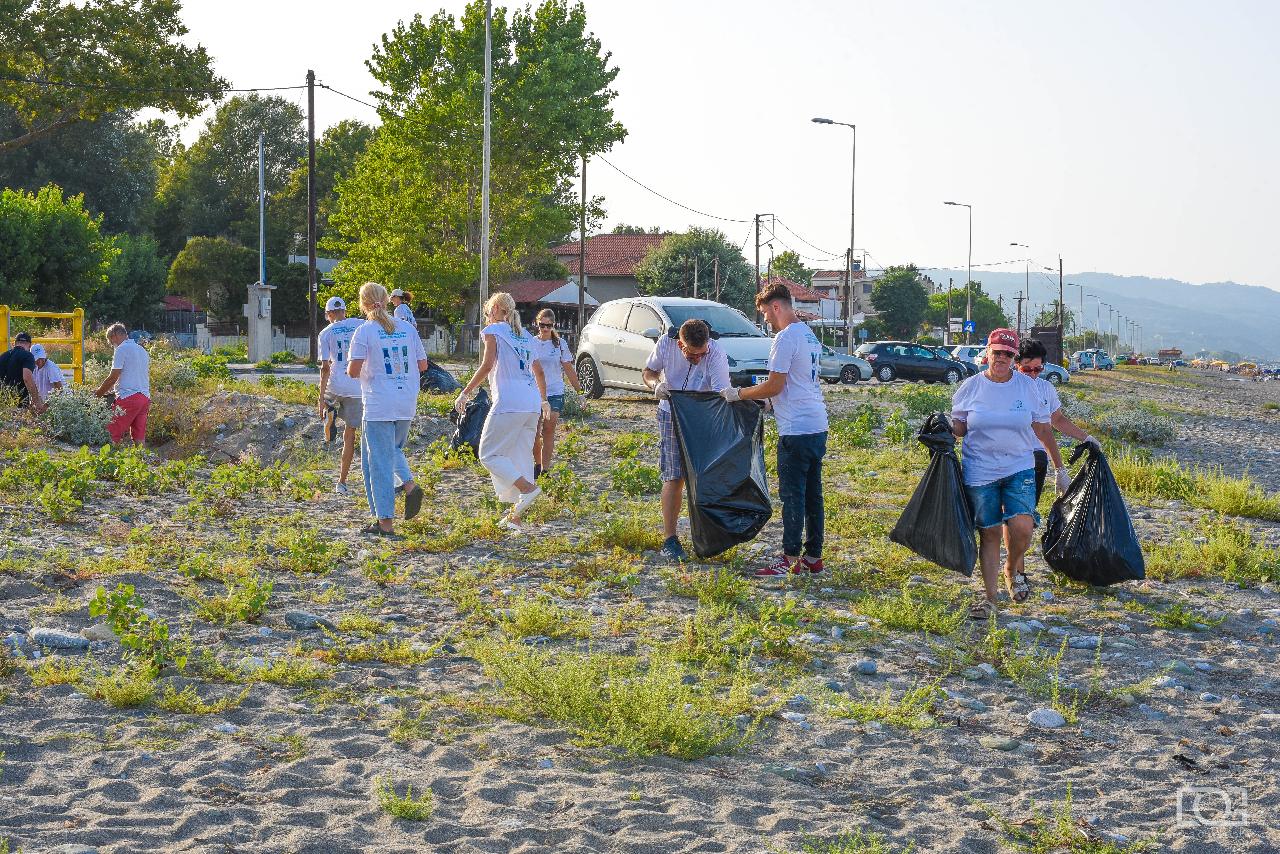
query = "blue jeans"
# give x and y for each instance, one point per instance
(800, 487)
(383, 463)
(999, 501)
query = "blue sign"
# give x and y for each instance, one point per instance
(863, 334)
(970, 326)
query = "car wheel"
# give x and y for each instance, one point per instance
(849, 374)
(589, 377)
(886, 373)
(1054, 379)
(952, 376)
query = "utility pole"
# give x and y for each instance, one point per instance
(1062, 332)
(695, 276)
(312, 281)
(715, 273)
(484, 165)
(1020, 298)
(582, 253)
(757, 253)
(947, 323)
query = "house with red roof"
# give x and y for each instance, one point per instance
(533, 295)
(831, 284)
(813, 306)
(611, 262)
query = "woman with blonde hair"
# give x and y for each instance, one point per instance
(387, 356)
(519, 392)
(557, 363)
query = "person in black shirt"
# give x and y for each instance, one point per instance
(17, 367)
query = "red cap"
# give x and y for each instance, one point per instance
(1003, 338)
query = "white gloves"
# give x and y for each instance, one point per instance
(662, 391)
(546, 410)
(731, 394)
(1089, 440)
(1063, 478)
(464, 397)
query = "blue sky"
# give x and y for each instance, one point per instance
(1131, 137)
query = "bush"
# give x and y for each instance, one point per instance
(76, 416)
(632, 477)
(1137, 425)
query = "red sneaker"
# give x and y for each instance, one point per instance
(809, 565)
(780, 568)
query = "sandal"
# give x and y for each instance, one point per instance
(980, 607)
(1019, 588)
(412, 502)
(376, 529)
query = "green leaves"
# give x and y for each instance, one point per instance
(143, 634)
(668, 270)
(902, 300)
(53, 255)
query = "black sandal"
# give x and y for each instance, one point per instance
(375, 529)
(412, 502)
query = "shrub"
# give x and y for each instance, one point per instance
(1137, 425)
(632, 477)
(77, 416)
(405, 807)
(575, 407)
(922, 401)
(148, 636)
(245, 600)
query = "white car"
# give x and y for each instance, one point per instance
(617, 341)
(967, 353)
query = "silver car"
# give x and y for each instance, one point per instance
(616, 343)
(836, 367)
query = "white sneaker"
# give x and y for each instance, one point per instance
(341, 489)
(508, 525)
(524, 501)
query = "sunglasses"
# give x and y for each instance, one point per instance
(542, 325)
(1032, 371)
(1007, 354)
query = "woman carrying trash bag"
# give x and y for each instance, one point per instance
(519, 393)
(1001, 418)
(1031, 359)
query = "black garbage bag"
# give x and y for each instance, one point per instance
(471, 423)
(436, 380)
(722, 445)
(1089, 536)
(937, 523)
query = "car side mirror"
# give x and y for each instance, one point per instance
(651, 333)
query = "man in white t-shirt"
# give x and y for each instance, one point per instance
(131, 377)
(796, 395)
(48, 375)
(339, 393)
(692, 361)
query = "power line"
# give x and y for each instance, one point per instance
(831, 255)
(666, 198)
(345, 95)
(97, 87)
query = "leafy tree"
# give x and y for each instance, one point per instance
(214, 273)
(623, 228)
(211, 188)
(789, 265)
(1048, 316)
(901, 300)
(408, 214)
(1090, 339)
(987, 313)
(135, 287)
(668, 268)
(112, 161)
(68, 62)
(53, 255)
(336, 153)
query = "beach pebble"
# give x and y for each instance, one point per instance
(866, 667)
(996, 742)
(917, 579)
(226, 729)
(252, 662)
(73, 848)
(834, 686)
(1085, 642)
(1203, 666)
(265, 631)
(1153, 714)
(1046, 595)
(305, 621)
(689, 679)
(837, 632)
(810, 637)
(1181, 667)
(537, 640)
(792, 717)
(1210, 698)
(18, 644)
(98, 632)
(1059, 631)
(1167, 681)
(58, 639)
(1046, 719)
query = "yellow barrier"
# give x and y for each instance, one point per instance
(76, 341)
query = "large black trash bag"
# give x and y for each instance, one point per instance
(722, 445)
(1089, 536)
(937, 523)
(436, 380)
(471, 424)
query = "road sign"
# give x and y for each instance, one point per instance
(863, 334)
(970, 326)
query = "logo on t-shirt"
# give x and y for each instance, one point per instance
(1018, 405)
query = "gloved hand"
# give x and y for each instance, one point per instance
(1063, 478)
(1089, 440)
(662, 391)
(546, 410)
(731, 394)
(464, 397)
(320, 408)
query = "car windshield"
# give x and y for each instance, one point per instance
(865, 348)
(724, 320)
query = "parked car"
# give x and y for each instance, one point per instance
(1055, 373)
(970, 368)
(966, 352)
(1102, 361)
(836, 367)
(904, 360)
(617, 341)
(1081, 360)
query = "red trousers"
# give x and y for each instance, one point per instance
(130, 418)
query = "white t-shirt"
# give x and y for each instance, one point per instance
(511, 383)
(552, 357)
(135, 369)
(1049, 394)
(710, 374)
(799, 407)
(999, 441)
(335, 348)
(389, 375)
(45, 378)
(403, 312)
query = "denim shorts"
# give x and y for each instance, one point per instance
(556, 401)
(999, 501)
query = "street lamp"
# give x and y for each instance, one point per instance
(1026, 291)
(968, 285)
(853, 173)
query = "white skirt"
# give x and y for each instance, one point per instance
(506, 450)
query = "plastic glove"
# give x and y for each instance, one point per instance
(1094, 443)
(731, 394)
(1063, 478)
(464, 397)
(662, 391)
(546, 410)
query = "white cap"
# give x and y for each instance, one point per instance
(397, 293)
(37, 351)
(335, 304)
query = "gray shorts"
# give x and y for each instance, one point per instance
(350, 409)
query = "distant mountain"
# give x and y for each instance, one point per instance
(1218, 316)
